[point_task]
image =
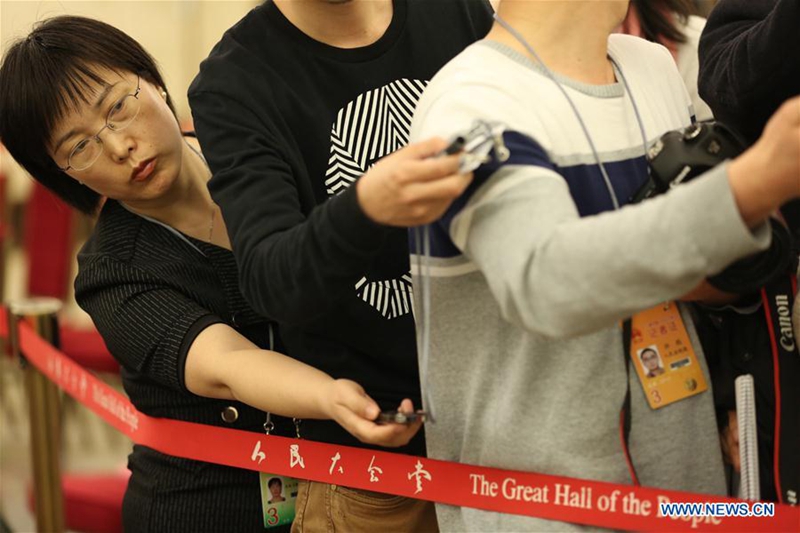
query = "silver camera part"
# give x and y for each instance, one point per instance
(479, 143)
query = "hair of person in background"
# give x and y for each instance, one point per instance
(661, 20)
(49, 73)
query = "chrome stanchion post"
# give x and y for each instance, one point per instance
(43, 399)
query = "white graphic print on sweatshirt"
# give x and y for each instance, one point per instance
(373, 125)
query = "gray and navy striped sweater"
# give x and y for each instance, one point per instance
(532, 271)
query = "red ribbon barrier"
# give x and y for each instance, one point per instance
(580, 501)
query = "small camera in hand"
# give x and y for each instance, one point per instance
(399, 417)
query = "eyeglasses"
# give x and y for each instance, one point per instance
(119, 117)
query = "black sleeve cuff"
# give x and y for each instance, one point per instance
(350, 221)
(191, 334)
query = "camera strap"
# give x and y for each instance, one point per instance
(778, 298)
(625, 411)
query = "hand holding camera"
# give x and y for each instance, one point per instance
(762, 179)
(347, 403)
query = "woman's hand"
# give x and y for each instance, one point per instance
(222, 364)
(346, 402)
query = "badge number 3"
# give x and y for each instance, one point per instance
(278, 496)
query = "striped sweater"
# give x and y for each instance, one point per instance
(532, 270)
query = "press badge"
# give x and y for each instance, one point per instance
(663, 356)
(278, 497)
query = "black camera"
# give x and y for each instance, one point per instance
(398, 417)
(682, 155)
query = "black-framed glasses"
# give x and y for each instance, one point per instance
(119, 117)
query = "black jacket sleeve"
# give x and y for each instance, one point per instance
(750, 61)
(292, 267)
(147, 326)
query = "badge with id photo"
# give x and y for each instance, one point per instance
(662, 354)
(278, 496)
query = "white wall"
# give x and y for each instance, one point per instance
(178, 34)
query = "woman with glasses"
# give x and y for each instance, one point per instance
(85, 110)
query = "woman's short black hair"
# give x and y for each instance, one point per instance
(274, 481)
(46, 75)
(660, 18)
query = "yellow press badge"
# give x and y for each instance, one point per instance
(663, 356)
(278, 496)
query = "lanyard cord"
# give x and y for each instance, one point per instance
(625, 411)
(575, 111)
(423, 236)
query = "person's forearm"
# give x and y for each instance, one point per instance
(294, 261)
(560, 275)
(275, 383)
(294, 275)
(224, 365)
(756, 199)
(768, 175)
(707, 294)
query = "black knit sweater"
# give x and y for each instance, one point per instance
(151, 291)
(750, 61)
(288, 124)
(750, 65)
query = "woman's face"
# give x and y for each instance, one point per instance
(139, 162)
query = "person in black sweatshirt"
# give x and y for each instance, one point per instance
(750, 61)
(293, 105)
(87, 113)
(749, 67)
